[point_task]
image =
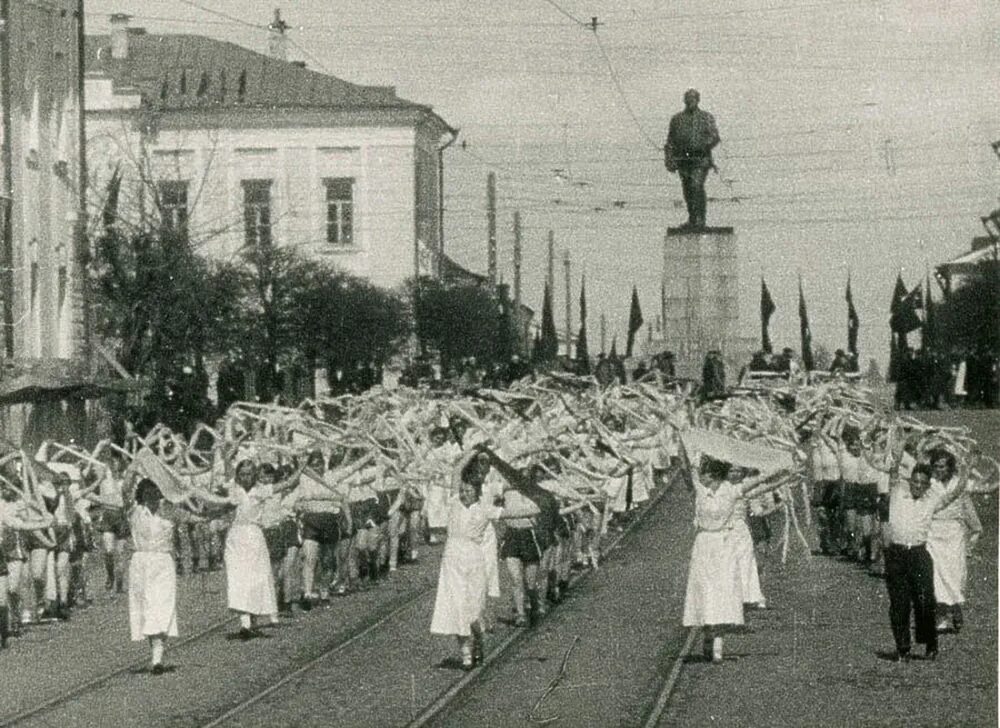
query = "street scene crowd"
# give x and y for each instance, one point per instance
(302, 504)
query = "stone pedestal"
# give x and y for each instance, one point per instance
(701, 298)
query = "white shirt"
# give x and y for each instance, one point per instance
(825, 466)
(909, 519)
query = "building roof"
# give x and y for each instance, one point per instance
(180, 71)
(983, 248)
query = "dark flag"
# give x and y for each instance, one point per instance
(929, 334)
(806, 332)
(582, 349)
(896, 341)
(905, 319)
(767, 308)
(634, 322)
(853, 323)
(549, 341)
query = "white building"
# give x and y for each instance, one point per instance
(45, 374)
(247, 149)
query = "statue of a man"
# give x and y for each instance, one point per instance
(688, 152)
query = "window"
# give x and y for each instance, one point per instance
(257, 211)
(173, 196)
(340, 210)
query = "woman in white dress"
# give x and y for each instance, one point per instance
(152, 582)
(463, 580)
(714, 596)
(953, 529)
(746, 556)
(249, 580)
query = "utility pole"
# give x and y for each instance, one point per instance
(517, 266)
(552, 261)
(7, 191)
(569, 307)
(604, 334)
(80, 233)
(491, 229)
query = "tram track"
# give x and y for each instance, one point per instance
(385, 619)
(439, 708)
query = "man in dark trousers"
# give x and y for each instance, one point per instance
(688, 152)
(909, 568)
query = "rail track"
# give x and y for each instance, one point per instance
(386, 618)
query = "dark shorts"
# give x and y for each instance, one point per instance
(114, 521)
(375, 510)
(65, 539)
(12, 545)
(760, 529)
(281, 538)
(860, 497)
(323, 528)
(564, 529)
(826, 494)
(520, 543)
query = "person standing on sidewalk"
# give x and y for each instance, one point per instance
(952, 529)
(909, 567)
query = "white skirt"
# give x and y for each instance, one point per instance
(461, 590)
(436, 506)
(946, 545)
(746, 560)
(249, 582)
(152, 595)
(714, 590)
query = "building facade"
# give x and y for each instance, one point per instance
(45, 372)
(244, 149)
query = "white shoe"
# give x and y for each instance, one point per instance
(942, 625)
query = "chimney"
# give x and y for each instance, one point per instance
(119, 36)
(277, 43)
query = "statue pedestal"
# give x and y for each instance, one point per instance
(701, 309)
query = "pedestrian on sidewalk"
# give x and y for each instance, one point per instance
(909, 567)
(152, 574)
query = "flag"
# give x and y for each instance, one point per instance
(634, 322)
(582, 349)
(853, 323)
(929, 333)
(549, 340)
(663, 309)
(904, 317)
(898, 296)
(767, 308)
(807, 355)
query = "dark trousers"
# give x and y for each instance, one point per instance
(909, 577)
(693, 185)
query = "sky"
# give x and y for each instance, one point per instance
(855, 133)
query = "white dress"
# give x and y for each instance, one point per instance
(946, 544)
(249, 582)
(152, 580)
(746, 557)
(714, 589)
(461, 590)
(492, 488)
